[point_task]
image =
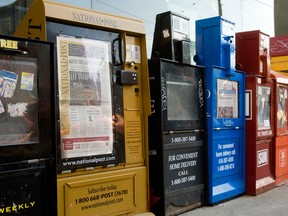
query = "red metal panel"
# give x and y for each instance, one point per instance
(281, 103)
(281, 159)
(252, 53)
(251, 123)
(281, 127)
(263, 158)
(259, 143)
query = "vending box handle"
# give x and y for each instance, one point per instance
(266, 65)
(15, 51)
(198, 58)
(118, 51)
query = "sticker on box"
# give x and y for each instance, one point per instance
(8, 82)
(2, 110)
(27, 81)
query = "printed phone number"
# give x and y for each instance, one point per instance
(102, 196)
(225, 160)
(225, 167)
(183, 139)
(183, 180)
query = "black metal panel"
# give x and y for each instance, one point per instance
(28, 189)
(176, 137)
(177, 173)
(171, 38)
(183, 167)
(27, 149)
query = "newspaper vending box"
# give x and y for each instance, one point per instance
(27, 151)
(176, 131)
(225, 108)
(252, 56)
(281, 127)
(177, 122)
(103, 107)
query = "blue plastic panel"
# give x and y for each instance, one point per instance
(215, 42)
(218, 97)
(226, 157)
(226, 135)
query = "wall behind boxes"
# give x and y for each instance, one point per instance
(241, 12)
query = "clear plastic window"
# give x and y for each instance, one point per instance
(182, 97)
(18, 100)
(281, 107)
(85, 100)
(263, 106)
(227, 99)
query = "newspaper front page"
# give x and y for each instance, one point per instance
(84, 97)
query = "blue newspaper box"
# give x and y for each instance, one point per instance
(225, 107)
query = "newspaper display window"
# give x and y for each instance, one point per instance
(18, 100)
(282, 106)
(263, 106)
(85, 99)
(181, 91)
(227, 99)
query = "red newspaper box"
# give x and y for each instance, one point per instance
(252, 56)
(281, 127)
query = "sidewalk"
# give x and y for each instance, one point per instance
(270, 203)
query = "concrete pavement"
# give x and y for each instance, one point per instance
(270, 203)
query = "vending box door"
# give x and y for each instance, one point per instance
(260, 135)
(281, 108)
(281, 127)
(265, 120)
(176, 137)
(177, 95)
(90, 95)
(259, 108)
(226, 133)
(224, 98)
(26, 71)
(264, 109)
(28, 188)
(27, 151)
